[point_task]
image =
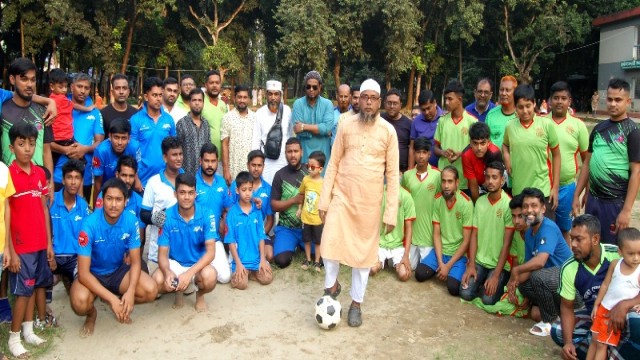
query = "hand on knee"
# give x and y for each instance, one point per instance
(403, 273)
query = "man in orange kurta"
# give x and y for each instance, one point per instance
(364, 152)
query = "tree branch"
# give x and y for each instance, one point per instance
(506, 30)
(194, 27)
(201, 22)
(226, 23)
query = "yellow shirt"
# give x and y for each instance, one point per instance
(6, 190)
(311, 189)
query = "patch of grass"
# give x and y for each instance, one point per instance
(49, 334)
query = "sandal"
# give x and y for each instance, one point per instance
(541, 329)
(317, 266)
(305, 264)
(335, 294)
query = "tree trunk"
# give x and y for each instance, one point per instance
(387, 79)
(22, 37)
(127, 49)
(285, 91)
(166, 71)
(418, 83)
(410, 89)
(460, 60)
(336, 71)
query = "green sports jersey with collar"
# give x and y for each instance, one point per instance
(422, 191)
(497, 122)
(454, 135)
(529, 147)
(491, 220)
(452, 220)
(406, 211)
(517, 247)
(573, 138)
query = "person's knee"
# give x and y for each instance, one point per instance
(402, 272)
(488, 300)
(240, 284)
(147, 288)
(423, 272)
(283, 259)
(207, 280)
(264, 278)
(375, 269)
(81, 300)
(453, 286)
(556, 333)
(467, 294)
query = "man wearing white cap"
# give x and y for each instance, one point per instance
(265, 120)
(364, 153)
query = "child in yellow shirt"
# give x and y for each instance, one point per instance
(311, 224)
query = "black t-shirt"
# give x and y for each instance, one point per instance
(285, 185)
(403, 129)
(109, 113)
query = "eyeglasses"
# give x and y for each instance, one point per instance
(313, 167)
(314, 87)
(367, 98)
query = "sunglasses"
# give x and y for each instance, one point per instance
(314, 87)
(313, 167)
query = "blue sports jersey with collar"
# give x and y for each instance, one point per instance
(215, 197)
(548, 240)
(107, 244)
(263, 193)
(186, 239)
(246, 231)
(133, 205)
(65, 224)
(105, 159)
(85, 126)
(149, 135)
(5, 95)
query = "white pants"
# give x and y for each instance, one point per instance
(359, 279)
(221, 264)
(418, 253)
(394, 254)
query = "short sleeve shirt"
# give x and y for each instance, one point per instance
(28, 226)
(107, 244)
(263, 193)
(548, 240)
(423, 191)
(529, 148)
(573, 138)
(473, 166)
(286, 184)
(6, 190)
(403, 129)
(32, 114)
(406, 212)
(65, 224)
(158, 195)
(105, 160)
(109, 113)
(454, 134)
(133, 205)
(186, 240)
(497, 122)
(246, 231)
(491, 221)
(215, 197)
(453, 220)
(311, 189)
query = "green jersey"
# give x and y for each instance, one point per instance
(285, 185)
(517, 247)
(453, 220)
(497, 122)
(214, 114)
(573, 138)
(406, 211)
(454, 134)
(530, 153)
(491, 221)
(33, 114)
(422, 190)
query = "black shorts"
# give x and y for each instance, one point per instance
(67, 266)
(312, 233)
(34, 273)
(112, 281)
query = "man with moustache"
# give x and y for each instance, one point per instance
(169, 97)
(425, 124)
(214, 108)
(265, 118)
(193, 132)
(237, 134)
(402, 124)
(186, 84)
(119, 108)
(343, 98)
(483, 104)
(545, 251)
(499, 116)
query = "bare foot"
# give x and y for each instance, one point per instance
(201, 304)
(179, 301)
(89, 323)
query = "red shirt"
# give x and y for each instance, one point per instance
(63, 126)
(28, 226)
(473, 167)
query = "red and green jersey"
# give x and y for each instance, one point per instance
(422, 190)
(491, 220)
(573, 138)
(454, 134)
(406, 211)
(530, 147)
(453, 220)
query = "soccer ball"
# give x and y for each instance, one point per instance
(328, 312)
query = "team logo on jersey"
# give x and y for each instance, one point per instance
(499, 213)
(431, 187)
(166, 127)
(220, 189)
(91, 117)
(620, 138)
(83, 239)
(98, 203)
(465, 131)
(96, 162)
(570, 130)
(125, 236)
(539, 132)
(77, 218)
(542, 241)
(458, 215)
(197, 229)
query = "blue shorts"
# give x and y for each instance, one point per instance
(67, 266)
(112, 281)
(457, 270)
(565, 203)
(607, 211)
(34, 273)
(286, 239)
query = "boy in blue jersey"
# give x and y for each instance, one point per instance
(186, 246)
(246, 238)
(105, 237)
(107, 154)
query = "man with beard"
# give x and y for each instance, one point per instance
(265, 118)
(169, 96)
(425, 124)
(545, 252)
(402, 124)
(186, 84)
(500, 115)
(483, 104)
(452, 222)
(313, 118)
(119, 108)
(193, 131)
(213, 193)
(214, 108)
(488, 271)
(343, 96)
(236, 134)
(365, 152)
(285, 199)
(581, 278)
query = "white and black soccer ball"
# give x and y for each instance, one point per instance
(328, 312)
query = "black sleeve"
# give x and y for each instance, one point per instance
(276, 187)
(48, 135)
(591, 137)
(633, 145)
(145, 216)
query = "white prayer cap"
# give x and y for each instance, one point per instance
(274, 85)
(370, 84)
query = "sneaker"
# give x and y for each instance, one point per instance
(354, 318)
(305, 264)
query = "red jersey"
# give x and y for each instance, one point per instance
(473, 167)
(28, 226)
(63, 126)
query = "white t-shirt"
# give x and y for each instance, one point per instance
(158, 195)
(176, 113)
(264, 122)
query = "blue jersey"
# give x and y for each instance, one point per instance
(186, 239)
(548, 240)
(214, 197)
(149, 135)
(133, 205)
(5, 95)
(107, 244)
(105, 159)
(263, 193)
(65, 224)
(246, 231)
(85, 126)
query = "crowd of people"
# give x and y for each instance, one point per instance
(186, 192)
